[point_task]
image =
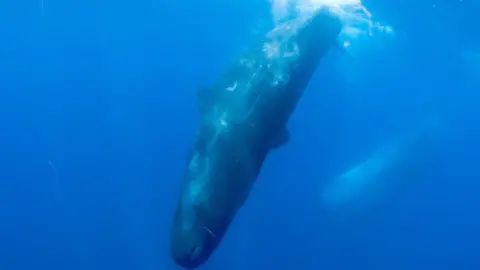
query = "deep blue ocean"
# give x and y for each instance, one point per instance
(98, 110)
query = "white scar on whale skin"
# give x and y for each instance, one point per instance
(210, 232)
(233, 87)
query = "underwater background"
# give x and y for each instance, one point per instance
(98, 109)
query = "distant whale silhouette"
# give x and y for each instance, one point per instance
(393, 165)
(243, 117)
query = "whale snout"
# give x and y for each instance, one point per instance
(188, 248)
(187, 256)
(190, 243)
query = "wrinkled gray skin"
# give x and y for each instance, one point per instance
(243, 117)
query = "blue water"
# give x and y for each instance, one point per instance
(97, 111)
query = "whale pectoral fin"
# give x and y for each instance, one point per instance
(281, 138)
(205, 99)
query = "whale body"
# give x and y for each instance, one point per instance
(243, 117)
